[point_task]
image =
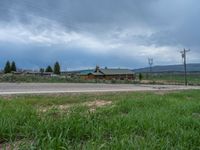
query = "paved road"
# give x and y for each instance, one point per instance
(40, 88)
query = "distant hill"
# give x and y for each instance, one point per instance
(170, 68)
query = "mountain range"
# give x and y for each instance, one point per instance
(170, 68)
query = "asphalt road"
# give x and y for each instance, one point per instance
(42, 88)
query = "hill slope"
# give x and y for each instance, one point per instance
(171, 68)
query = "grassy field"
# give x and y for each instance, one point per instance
(36, 79)
(193, 79)
(102, 121)
(147, 79)
(56, 79)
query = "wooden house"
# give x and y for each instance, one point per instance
(109, 74)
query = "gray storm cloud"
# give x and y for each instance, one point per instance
(113, 31)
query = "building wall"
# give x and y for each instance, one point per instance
(87, 77)
(109, 77)
(120, 77)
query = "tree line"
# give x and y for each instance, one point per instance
(11, 67)
(56, 69)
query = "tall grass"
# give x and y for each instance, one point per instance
(133, 121)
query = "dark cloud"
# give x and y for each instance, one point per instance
(148, 27)
(80, 12)
(34, 57)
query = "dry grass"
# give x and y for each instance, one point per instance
(65, 107)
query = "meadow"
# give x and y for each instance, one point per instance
(129, 120)
(169, 78)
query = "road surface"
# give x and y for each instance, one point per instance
(45, 88)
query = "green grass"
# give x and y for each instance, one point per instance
(193, 79)
(132, 121)
(36, 79)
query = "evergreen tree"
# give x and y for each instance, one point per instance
(7, 68)
(13, 66)
(57, 68)
(49, 69)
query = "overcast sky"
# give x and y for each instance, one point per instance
(81, 34)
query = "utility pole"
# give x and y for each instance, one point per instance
(183, 54)
(150, 61)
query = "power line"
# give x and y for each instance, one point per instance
(183, 54)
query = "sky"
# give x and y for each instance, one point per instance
(81, 34)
